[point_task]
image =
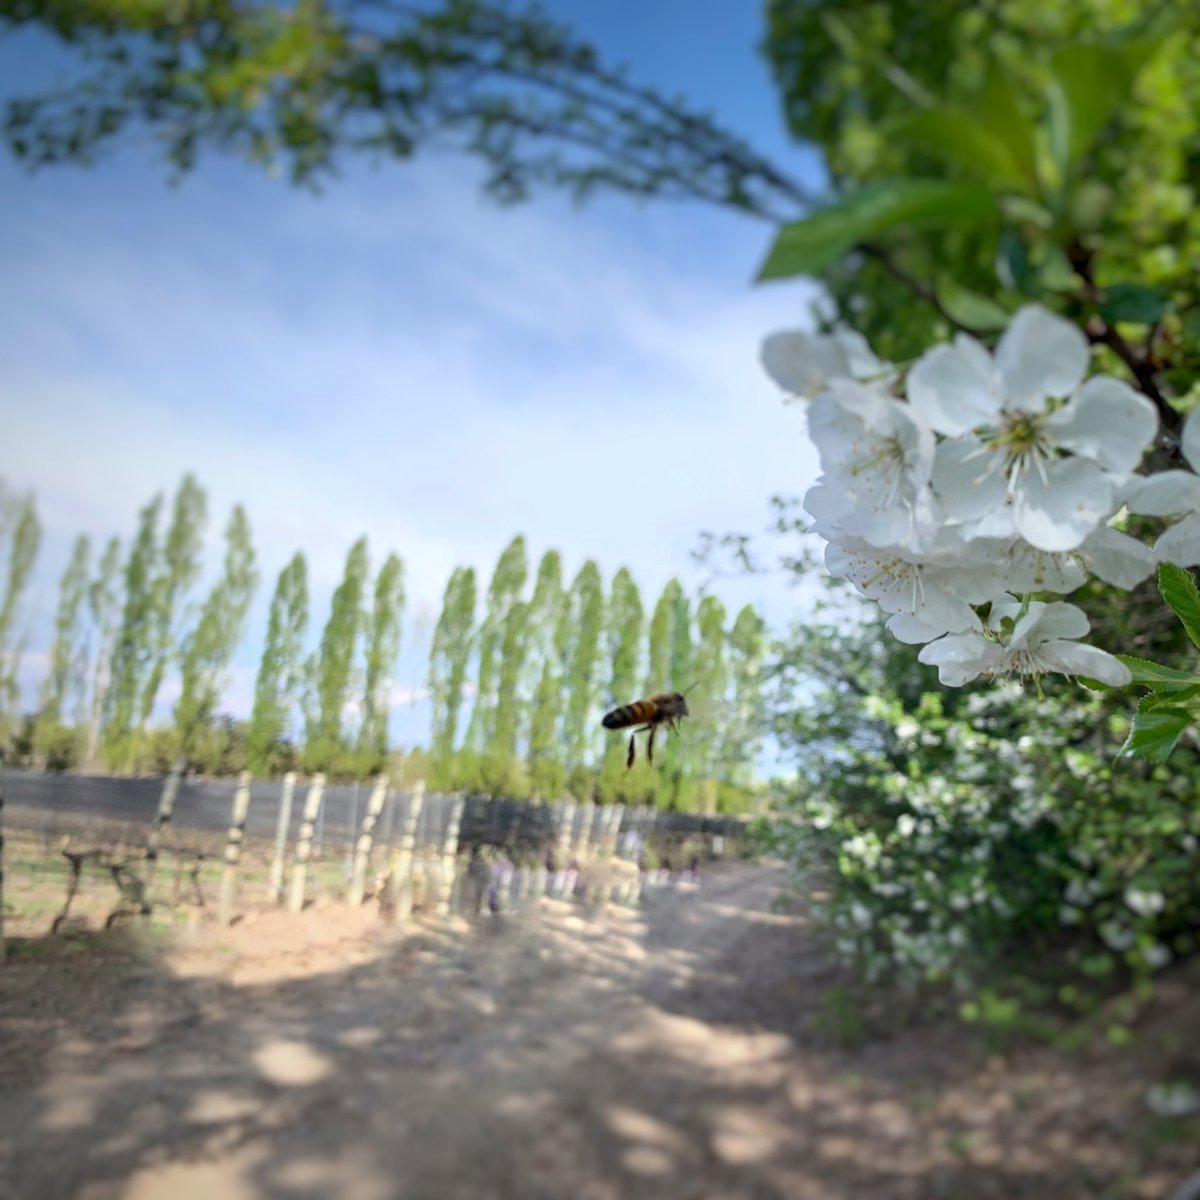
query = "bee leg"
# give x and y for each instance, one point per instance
(632, 752)
(650, 745)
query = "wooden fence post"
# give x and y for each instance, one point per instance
(362, 852)
(612, 838)
(233, 847)
(312, 806)
(522, 885)
(585, 832)
(402, 865)
(281, 832)
(449, 857)
(612, 829)
(166, 809)
(566, 836)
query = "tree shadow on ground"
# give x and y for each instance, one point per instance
(669, 1053)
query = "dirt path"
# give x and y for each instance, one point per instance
(670, 1053)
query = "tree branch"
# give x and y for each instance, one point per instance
(1101, 333)
(918, 287)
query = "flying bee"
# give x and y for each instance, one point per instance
(663, 708)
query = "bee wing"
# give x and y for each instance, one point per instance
(705, 710)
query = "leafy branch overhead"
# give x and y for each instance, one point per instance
(1019, 188)
(300, 85)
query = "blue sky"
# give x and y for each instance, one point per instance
(400, 358)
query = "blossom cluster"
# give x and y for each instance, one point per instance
(952, 491)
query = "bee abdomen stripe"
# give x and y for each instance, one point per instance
(627, 714)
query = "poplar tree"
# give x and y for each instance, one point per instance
(208, 649)
(624, 640)
(180, 569)
(333, 667)
(104, 608)
(499, 773)
(742, 730)
(134, 648)
(586, 628)
(280, 671)
(448, 662)
(62, 677)
(660, 677)
(26, 537)
(547, 632)
(504, 591)
(383, 648)
(700, 749)
(662, 632)
(675, 752)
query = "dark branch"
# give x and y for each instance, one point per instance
(918, 287)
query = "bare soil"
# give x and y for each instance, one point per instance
(672, 1052)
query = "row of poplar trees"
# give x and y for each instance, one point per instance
(129, 620)
(540, 664)
(517, 687)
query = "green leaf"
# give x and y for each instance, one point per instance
(809, 246)
(1012, 264)
(1160, 678)
(1154, 733)
(1133, 302)
(961, 140)
(1004, 119)
(1170, 699)
(1055, 273)
(1178, 589)
(1023, 210)
(971, 309)
(1090, 83)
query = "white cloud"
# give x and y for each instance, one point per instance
(398, 360)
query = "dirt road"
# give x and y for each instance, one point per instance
(671, 1053)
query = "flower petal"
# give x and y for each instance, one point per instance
(1166, 494)
(1040, 355)
(904, 627)
(802, 363)
(858, 353)
(1181, 543)
(1189, 439)
(1119, 559)
(968, 479)
(1049, 621)
(953, 389)
(1106, 421)
(961, 657)
(1058, 511)
(1033, 570)
(1076, 658)
(836, 432)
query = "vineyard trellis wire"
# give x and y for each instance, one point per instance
(400, 847)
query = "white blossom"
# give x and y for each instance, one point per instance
(1057, 465)
(803, 364)
(931, 594)
(1144, 903)
(999, 473)
(877, 460)
(1173, 493)
(1042, 641)
(1174, 1098)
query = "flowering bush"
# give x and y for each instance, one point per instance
(967, 829)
